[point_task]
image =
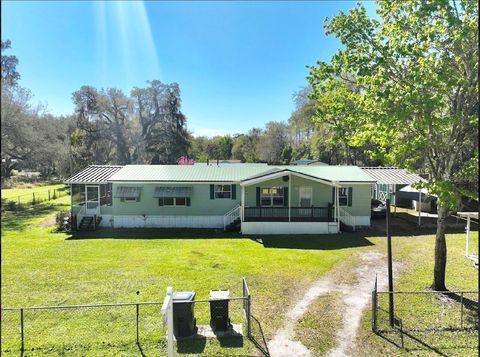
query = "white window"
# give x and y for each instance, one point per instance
(223, 191)
(174, 201)
(271, 196)
(343, 196)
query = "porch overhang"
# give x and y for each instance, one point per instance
(281, 173)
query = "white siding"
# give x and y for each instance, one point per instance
(134, 221)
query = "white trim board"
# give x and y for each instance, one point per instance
(139, 221)
(278, 228)
(274, 175)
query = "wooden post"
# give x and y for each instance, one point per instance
(49, 195)
(137, 318)
(22, 334)
(390, 269)
(33, 198)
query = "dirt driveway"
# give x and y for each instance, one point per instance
(356, 297)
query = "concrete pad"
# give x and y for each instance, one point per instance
(205, 331)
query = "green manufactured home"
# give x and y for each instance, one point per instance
(262, 199)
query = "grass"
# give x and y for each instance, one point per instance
(317, 328)
(45, 268)
(24, 192)
(40, 267)
(415, 256)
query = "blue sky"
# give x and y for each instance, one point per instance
(237, 63)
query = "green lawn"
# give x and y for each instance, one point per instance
(45, 268)
(40, 267)
(415, 254)
(13, 193)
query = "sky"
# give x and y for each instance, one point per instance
(237, 63)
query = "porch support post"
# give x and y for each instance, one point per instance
(289, 197)
(337, 203)
(395, 195)
(242, 204)
(71, 198)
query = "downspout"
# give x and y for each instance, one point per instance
(289, 196)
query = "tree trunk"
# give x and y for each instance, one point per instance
(440, 252)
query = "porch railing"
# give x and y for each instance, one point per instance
(282, 214)
(347, 218)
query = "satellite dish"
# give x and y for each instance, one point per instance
(286, 178)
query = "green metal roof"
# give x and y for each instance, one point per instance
(232, 173)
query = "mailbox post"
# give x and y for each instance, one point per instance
(167, 313)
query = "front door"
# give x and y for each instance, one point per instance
(92, 197)
(305, 196)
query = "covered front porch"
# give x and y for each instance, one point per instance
(287, 202)
(289, 214)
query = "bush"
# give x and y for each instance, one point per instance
(63, 221)
(9, 205)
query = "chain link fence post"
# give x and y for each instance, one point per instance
(461, 310)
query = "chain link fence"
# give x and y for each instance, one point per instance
(116, 328)
(428, 319)
(428, 310)
(80, 327)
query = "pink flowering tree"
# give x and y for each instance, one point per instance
(184, 160)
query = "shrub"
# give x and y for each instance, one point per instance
(9, 205)
(63, 221)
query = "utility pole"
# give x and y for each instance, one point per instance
(390, 269)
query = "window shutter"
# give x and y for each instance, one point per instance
(234, 192)
(188, 201)
(350, 189)
(285, 196)
(258, 196)
(212, 192)
(160, 201)
(333, 196)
